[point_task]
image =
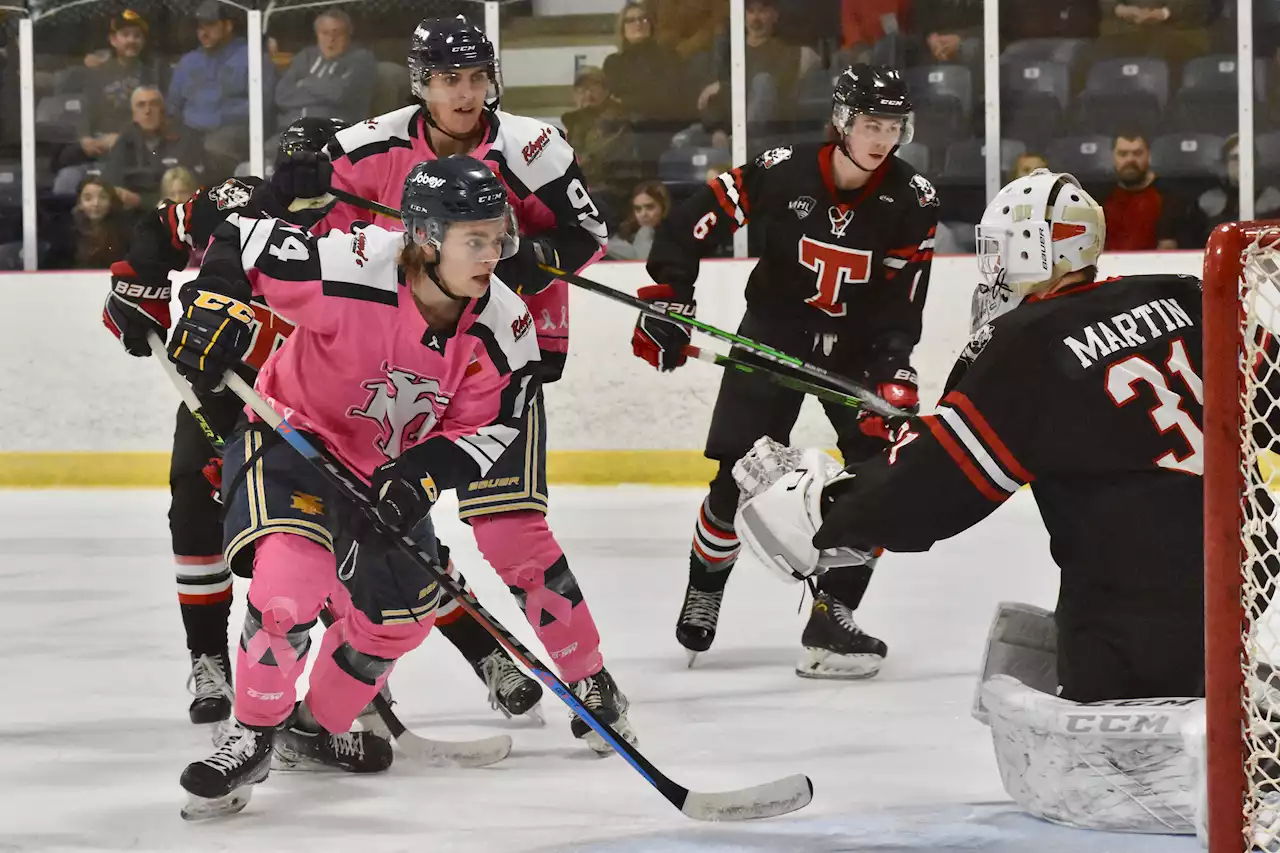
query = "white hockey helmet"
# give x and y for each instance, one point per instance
(1037, 229)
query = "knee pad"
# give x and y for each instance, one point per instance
(387, 642)
(262, 633)
(516, 544)
(359, 665)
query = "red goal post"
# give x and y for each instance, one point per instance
(1242, 557)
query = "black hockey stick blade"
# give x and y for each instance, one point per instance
(769, 800)
(866, 398)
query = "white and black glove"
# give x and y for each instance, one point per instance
(782, 509)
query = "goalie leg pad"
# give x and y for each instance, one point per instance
(1121, 766)
(1022, 643)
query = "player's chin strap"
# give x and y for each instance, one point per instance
(848, 152)
(431, 120)
(431, 270)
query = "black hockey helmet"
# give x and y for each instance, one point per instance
(440, 192)
(308, 135)
(451, 44)
(876, 90)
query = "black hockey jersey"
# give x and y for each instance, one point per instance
(1092, 396)
(831, 260)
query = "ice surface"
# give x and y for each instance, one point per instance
(94, 733)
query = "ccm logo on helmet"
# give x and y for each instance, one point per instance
(429, 180)
(535, 148)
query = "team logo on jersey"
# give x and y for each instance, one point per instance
(840, 218)
(534, 149)
(774, 156)
(521, 326)
(802, 206)
(404, 405)
(357, 248)
(925, 193)
(977, 343)
(422, 178)
(231, 193)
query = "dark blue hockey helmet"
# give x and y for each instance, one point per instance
(308, 135)
(875, 90)
(443, 45)
(438, 193)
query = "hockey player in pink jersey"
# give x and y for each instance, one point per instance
(454, 74)
(414, 366)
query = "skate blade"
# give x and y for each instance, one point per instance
(535, 715)
(205, 808)
(373, 724)
(691, 657)
(624, 730)
(822, 664)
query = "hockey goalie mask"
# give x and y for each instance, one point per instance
(1036, 230)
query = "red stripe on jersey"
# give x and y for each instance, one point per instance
(993, 442)
(962, 460)
(209, 560)
(211, 598)
(742, 190)
(172, 219)
(725, 204)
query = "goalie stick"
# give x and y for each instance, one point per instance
(811, 379)
(468, 753)
(770, 799)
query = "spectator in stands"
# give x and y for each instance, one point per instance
(178, 184)
(1173, 30)
(950, 31)
(647, 77)
(102, 228)
(330, 79)
(1026, 164)
(864, 23)
(209, 92)
(149, 148)
(600, 133)
(650, 204)
(108, 84)
(1141, 213)
(1059, 19)
(1222, 203)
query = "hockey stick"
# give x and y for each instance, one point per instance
(856, 395)
(823, 384)
(474, 753)
(767, 800)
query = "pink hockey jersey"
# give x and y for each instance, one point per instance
(362, 370)
(538, 166)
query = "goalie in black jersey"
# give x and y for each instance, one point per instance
(166, 241)
(841, 283)
(1089, 391)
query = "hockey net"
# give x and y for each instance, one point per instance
(1242, 552)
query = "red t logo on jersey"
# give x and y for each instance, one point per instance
(835, 267)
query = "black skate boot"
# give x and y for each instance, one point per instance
(834, 645)
(511, 691)
(600, 694)
(210, 683)
(221, 784)
(700, 612)
(302, 744)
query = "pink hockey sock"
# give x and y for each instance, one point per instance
(292, 577)
(356, 657)
(523, 550)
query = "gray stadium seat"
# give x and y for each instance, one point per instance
(1125, 93)
(1207, 99)
(60, 118)
(966, 161)
(1066, 51)
(10, 184)
(1086, 157)
(1187, 155)
(1034, 94)
(689, 165)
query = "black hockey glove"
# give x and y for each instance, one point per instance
(403, 493)
(135, 310)
(301, 175)
(521, 272)
(894, 380)
(656, 341)
(214, 332)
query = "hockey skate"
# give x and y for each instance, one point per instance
(835, 647)
(511, 691)
(221, 784)
(696, 627)
(301, 744)
(600, 695)
(210, 683)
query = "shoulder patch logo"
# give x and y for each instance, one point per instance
(977, 343)
(521, 325)
(925, 192)
(534, 149)
(358, 242)
(231, 193)
(802, 206)
(774, 156)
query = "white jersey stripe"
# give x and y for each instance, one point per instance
(976, 449)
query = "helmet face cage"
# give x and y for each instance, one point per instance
(432, 231)
(420, 81)
(843, 116)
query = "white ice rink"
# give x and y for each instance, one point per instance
(94, 731)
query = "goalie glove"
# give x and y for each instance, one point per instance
(782, 510)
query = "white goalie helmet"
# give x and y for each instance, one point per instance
(1037, 229)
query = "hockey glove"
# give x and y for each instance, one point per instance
(656, 341)
(135, 310)
(403, 493)
(895, 381)
(301, 175)
(214, 332)
(521, 272)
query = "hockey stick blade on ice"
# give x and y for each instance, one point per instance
(473, 753)
(771, 799)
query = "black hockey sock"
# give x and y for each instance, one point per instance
(473, 641)
(206, 626)
(204, 597)
(847, 585)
